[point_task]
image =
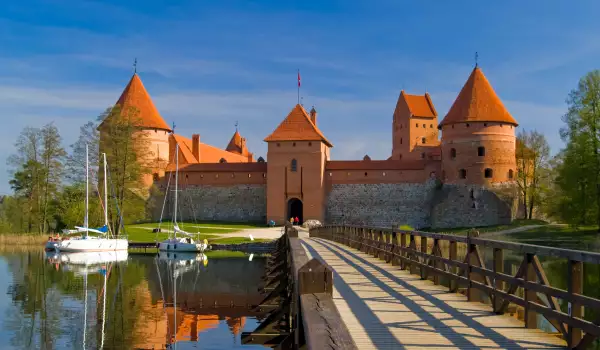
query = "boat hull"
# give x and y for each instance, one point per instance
(92, 245)
(181, 247)
(51, 245)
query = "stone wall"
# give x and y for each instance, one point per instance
(419, 205)
(236, 203)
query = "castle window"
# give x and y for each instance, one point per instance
(278, 144)
(422, 140)
(294, 144)
(330, 174)
(481, 151)
(232, 175)
(488, 173)
(249, 175)
(422, 155)
(452, 153)
(222, 160)
(417, 125)
(383, 173)
(401, 140)
(468, 125)
(348, 174)
(452, 126)
(484, 124)
(400, 126)
(309, 144)
(155, 176)
(216, 176)
(431, 126)
(424, 125)
(265, 175)
(462, 173)
(365, 173)
(294, 166)
(510, 174)
(186, 176)
(202, 176)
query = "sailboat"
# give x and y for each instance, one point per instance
(87, 243)
(184, 242)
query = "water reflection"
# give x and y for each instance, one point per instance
(120, 301)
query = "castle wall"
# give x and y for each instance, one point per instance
(418, 205)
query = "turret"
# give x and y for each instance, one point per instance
(478, 136)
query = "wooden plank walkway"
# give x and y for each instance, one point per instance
(388, 308)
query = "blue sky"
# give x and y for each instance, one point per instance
(208, 64)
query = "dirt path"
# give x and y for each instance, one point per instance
(512, 230)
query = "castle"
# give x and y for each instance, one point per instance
(457, 180)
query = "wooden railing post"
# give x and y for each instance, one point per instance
(412, 246)
(453, 252)
(437, 264)
(530, 295)
(394, 248)
(402, 254)
(423, 258)
(498, 283)
(575, 278)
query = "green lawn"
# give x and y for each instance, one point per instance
(560, 236)
(514, 224)
(217, 225)
(137, 233)
(236, 240)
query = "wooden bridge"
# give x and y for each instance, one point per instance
(348, 287)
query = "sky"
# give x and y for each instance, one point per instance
(210, 64)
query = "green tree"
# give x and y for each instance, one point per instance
(578, 174)
(52, 160)
(533, 154)
(128, 157)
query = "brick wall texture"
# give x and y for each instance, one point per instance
(418, 205)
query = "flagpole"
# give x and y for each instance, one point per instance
(298, 86)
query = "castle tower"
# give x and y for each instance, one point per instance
(296, 157)
(414, 128)
(136, 98)
(478, 136)
(237, 145)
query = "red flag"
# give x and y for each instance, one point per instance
(298, 78)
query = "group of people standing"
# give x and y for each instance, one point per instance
(294, 220)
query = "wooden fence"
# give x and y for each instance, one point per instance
(426, 258)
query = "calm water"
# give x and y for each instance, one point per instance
(130, 301)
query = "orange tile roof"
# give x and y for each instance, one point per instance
(208, 153)
(235, 145)
(135, 95)
(419, 106)
(477, 102)
(297, 126)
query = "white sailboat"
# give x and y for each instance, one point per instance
(87, 243)
(184, 242)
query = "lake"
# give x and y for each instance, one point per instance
(127, 301)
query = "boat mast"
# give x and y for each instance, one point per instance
(105, 195)
(176, 189)
(85, 221)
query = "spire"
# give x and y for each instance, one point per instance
(135, 66)
(136, 96)
(237, 144)
(477, 102)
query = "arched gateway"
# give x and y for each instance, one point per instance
(295, 209)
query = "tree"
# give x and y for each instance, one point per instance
(52, 160)
(90, 136)
(579, 172)
(128, 157)
(533, 154)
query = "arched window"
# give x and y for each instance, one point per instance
(452, 153)
(401, 140)
(462, 173)
(481, 151)
(222, 160)
(422, 140)
(417, 125)
(488, 173)
(294, 166)
(511, 174)
(422, 155)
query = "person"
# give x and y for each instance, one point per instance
(292, 220)
(296, 220)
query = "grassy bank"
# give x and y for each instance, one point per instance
(560, 236)
(486, 229)
(22, 239)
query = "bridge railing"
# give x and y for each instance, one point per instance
(299, 301)
(436, 256)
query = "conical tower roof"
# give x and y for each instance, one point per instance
(235, 144)
(135, 95)
(477, 102)
(297, 126)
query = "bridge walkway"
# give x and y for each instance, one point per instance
(388, 308)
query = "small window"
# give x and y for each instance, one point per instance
(431, 126)
(422, 155)
(481, 151)
(462, 173)
(348, 174)
(309, 144)
(422, 140)
(417, 125)
(216, 176)
(232, 175)
(424, 125)
(468, 125)
(452, 126)
(452, 153)
(265, 175)
(510, 174)
(278, 144)
(488, 173)
(401, 140)
(330, 174)
(202, 176)
(400, 126)
(294, 144)
(222, 160)
(383, 173)
(186, 176)
(484, 124)
(294, 166)
(155, 176)
(365, 173)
